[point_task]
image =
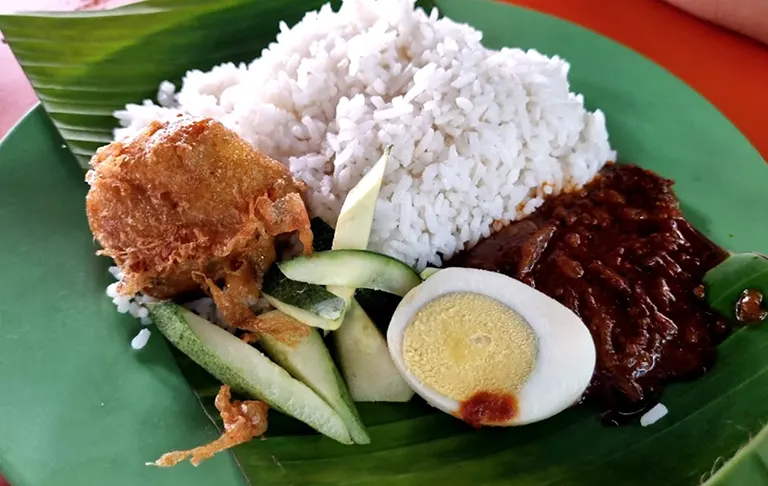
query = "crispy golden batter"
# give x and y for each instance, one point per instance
(242, 422)
(232, 303)
(188, 203)
(275, 323)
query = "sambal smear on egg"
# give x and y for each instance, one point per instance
(489, 349)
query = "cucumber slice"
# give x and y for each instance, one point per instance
(353, 226)
(311, 298)
(353, 268)
(428, 272)
(246, 369)
(363, 356)
(308, 318)
(365, 361)
(310, 362)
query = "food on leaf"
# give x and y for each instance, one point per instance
(279, 326)
(243, 420)
(353, 226)
(596, 283)
(738, 288)
(309, 361)
(361, 349)
(353, 268)
(312, 298)
(750, 308)
(365, 361)
(187, 203)
(242, 366)
(620, 254)
(489, 349)
(232, 302)
(302, 315)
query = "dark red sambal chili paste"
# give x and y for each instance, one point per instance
(621, 256)
(488, 408)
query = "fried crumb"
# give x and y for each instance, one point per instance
(249, 337)
(277, 324)
(232, 304)
(243, 420)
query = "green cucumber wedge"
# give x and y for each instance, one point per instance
(302, 315)
(365, 361)
(311, 298)
(246, 369)
(362, 350)
(353, 226)
(310, 362)
(428, 272)
(353, 268)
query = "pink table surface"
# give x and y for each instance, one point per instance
(16, 94)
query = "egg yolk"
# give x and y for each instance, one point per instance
(462, 343)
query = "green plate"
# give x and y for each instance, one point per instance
(79, 407)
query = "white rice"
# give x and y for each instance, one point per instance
(653, 415)
(141, 339)
(133, 305)
(480, 136)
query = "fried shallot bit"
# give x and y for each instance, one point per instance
(249, 337)
(232, 302)
(282, 326)
(187, 196)
(243, 420)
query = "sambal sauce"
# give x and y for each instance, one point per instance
(749, 307)
(484, 408)
(621, 256)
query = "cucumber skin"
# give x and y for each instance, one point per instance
(311, 298)
(304, 316)
(312, 353)
(327, 268)
(170, 320)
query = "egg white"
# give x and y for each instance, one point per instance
(566, 352)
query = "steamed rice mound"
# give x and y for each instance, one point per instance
(480, 136)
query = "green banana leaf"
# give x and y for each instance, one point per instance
(85, 65)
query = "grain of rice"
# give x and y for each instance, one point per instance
(141, 339)
(653, 415)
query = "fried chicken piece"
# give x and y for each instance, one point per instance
(187, 203)
(242, 422)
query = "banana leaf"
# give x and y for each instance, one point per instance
(85, 65)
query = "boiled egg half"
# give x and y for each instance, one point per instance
(489, 349)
